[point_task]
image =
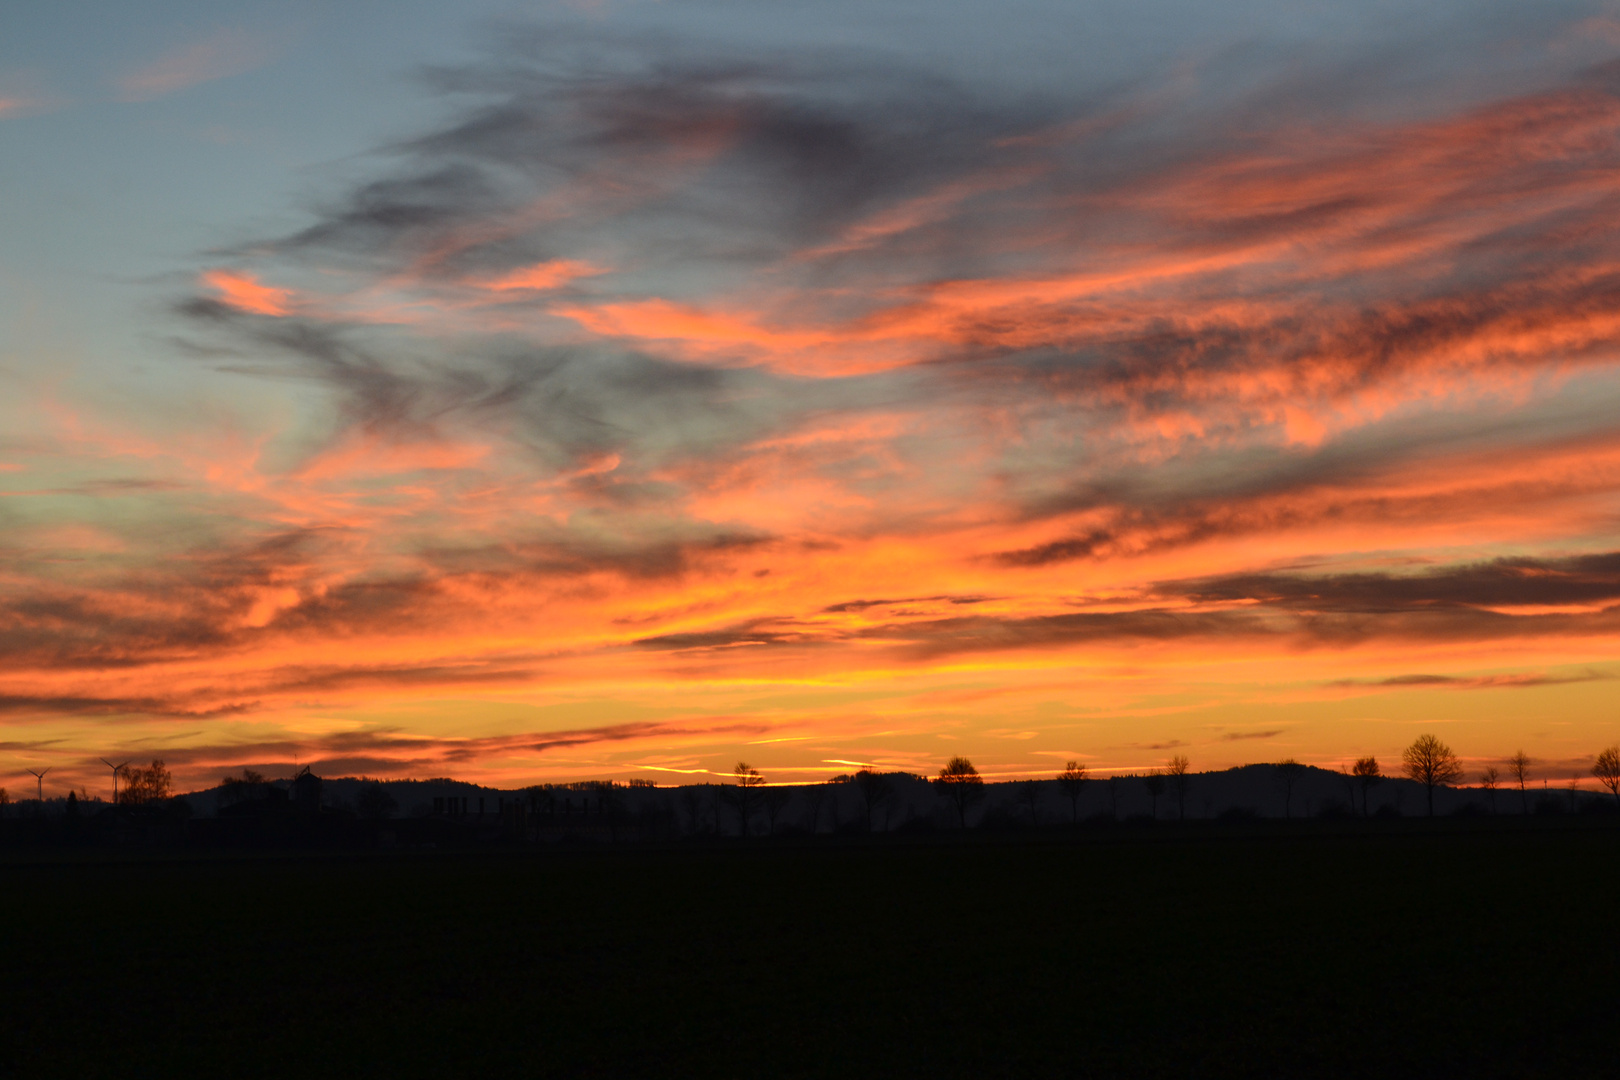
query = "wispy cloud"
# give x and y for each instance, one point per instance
(832, 390)
(1471, 682)
(218, 55)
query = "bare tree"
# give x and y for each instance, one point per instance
(1368, 776)
(716, 794)
(692, 801)
(1072, 780)
(1349, 785)
(1519, 769)
(745, 796)
(1180, 781)
(960, 782)
(1288, 773)
(775, 799)
(875, 790)
(1431, 763)
(1029, 794)
(143, 786)
(1488, 780)
(1607, 770)
(1154, 782)
(814, 796)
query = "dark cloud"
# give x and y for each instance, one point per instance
(697, 171)
(863, 605)
(1238, 736)
(388, 751)
(1476, 682)
(1507, 582)
(88, 705)
(1448, 603)
(758, 633)
(198, 606)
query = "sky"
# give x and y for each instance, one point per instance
(612, 389)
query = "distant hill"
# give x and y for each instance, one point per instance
(911, 802)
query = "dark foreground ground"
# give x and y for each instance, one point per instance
(1478, 949)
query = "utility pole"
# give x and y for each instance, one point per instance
(115, 770)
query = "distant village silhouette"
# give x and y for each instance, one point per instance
(253, 810)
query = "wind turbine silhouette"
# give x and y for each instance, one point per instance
(39, 781)
(115, 769)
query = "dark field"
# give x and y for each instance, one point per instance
(1485, 949)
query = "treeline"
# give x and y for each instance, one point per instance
(755, 806)
(252, 807)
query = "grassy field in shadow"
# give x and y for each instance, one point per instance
(1434, 948)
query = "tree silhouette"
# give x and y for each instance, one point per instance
(960, 782)
(692, 800)
(374, 802)
(1072, 781)
(875, 789)
(144, 786)
(1607, 769)
(1289, 773)
(1349, 785)
(1488, 781)
(775, 799)
(1113, 796)
(235, 789)
(1029, 794)
(745, 796)
(1367, 774)
(1431, 763)
(1180, 781)
(1154, 782)
(1519, 769)
(716, 794)
(814, 796)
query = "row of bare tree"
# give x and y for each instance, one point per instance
(1428, 761)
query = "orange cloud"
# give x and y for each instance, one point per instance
(992, 447)
(244, 292)
(540, 276)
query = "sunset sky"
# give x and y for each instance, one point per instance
(531, 393)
